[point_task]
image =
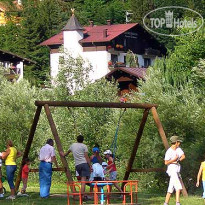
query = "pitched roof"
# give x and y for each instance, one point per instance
(72, 24)
(137, 72)
(96, 33)
(6, 55)
(93, 34)
(54, 40)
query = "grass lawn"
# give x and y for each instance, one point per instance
(143, 199)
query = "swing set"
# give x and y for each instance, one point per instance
(69, 104)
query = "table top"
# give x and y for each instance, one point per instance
(101, 183)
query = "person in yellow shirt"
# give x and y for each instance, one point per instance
(1, 185)
(10, 156)
(201, 171)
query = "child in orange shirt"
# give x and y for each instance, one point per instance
(24, 175)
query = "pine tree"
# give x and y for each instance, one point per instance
(139, 8)
(41, 20)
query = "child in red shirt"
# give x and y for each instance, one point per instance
(24, 175)
(111, 168)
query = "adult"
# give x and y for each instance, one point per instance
(82, 161)
(10, 156)
(1, 185)
(47, 157)
(173, 156)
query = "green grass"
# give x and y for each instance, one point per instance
(143, 198)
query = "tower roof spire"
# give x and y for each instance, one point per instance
(73, 23)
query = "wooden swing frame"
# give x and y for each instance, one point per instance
(47, 104)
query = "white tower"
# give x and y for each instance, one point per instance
(72, 34)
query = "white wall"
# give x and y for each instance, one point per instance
(19, 68)
(99, 61)
(71, 42)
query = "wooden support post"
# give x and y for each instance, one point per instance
(28, 144)
(58, 142)
(137, 142)
(164, 140)
(160, 128)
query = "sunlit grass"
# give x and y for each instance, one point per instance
(61, 188)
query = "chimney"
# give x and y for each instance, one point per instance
(109, 22)
(104, 33)
(91, 23)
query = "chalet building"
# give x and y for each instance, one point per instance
(127, 78)
(13, 65)
(105, 46)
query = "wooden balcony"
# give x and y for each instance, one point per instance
(11, 76)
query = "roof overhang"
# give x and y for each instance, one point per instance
(8, 56)
(135, 72)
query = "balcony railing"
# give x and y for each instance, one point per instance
(11, 74)
(112, 65)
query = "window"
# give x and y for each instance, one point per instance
(114, 58)
(147, 62)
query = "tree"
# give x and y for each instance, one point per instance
(8, 37)
(115, 11)
(140, 8)
(74, 74)
(181, 112)
(188, 50)
(39, 21)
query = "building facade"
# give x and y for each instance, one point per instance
(13, 65)
(104, 46)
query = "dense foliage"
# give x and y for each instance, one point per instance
(176, 84)
(42, 19)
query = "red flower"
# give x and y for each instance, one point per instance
(110, 63)
(109, 47)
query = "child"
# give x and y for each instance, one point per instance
(173, 156)
(112, 168)
(201, 171)
(24, 175)
(96, 158)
